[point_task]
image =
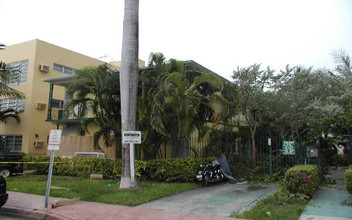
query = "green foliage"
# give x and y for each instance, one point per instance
(348, 179)
(280, 205)
(96, 89)
(165, 170)
(173, 170)
(302, 179)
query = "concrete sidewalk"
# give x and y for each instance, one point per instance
(330, 202)
(32, 207)
(217, 200)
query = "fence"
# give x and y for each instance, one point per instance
(269, 159)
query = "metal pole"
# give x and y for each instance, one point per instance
(350, 145)
(319, 158)
(133, 179)
(48, 184)
(270, 157)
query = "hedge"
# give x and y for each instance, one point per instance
(348, 179)
(173, 170)
(302, 179)
(163, 170)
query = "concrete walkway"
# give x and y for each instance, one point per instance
(215, 202)
(330, 202)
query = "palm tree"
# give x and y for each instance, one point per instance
(5, 74)
(8, 92)
(9, 113)
(180, 106)
(129, 84)
(94, 88)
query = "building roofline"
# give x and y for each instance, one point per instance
(194, 62)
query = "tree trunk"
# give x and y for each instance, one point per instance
(128, 84)
(178, 147)
(254, 161)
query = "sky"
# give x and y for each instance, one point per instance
(221, 35)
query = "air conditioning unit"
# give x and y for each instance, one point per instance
(40, 106)
(44, 68)
(39, 143)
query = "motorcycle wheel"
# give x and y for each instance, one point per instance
(205, 181)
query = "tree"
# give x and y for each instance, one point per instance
(251, 84)
(128, 84)
(94, 88)
(8, 92)
(181, 105)
(302, 100)
(150, 82)
(9, 113)
(5, 74)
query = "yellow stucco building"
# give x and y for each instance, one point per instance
(36, 60)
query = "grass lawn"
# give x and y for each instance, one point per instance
(276, 206)
(105, 191)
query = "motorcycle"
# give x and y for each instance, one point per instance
(209, 174)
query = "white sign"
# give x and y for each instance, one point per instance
(55, 137)
(131, 137)
(53, 147)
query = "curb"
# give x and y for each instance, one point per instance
(30, 214)
(17, 212)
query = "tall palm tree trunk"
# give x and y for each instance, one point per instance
(128, 84)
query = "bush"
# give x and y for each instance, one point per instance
(164, 170)
(302, 179)
(348, 179)
(173, 170)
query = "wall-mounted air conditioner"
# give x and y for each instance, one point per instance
(40, 106)
(44, 68)
(39, 144)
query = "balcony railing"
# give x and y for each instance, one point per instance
(59, 114)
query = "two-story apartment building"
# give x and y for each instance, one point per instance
(35, 61)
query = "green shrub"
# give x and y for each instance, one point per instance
(302, 179)
(348, 179)
(173, 170)
(163, 170)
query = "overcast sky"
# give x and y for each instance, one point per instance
(218, 34)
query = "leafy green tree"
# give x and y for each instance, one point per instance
(94, 88)
(181, 105)
(251, 83)
(150, 81)
(301, 100)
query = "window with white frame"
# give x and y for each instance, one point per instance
(64, 69)
(15, 104)
(18, 72)
(11, 143)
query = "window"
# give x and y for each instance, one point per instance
(18, 72)
(15, 104)
(64, 69)
(57, 103)
(11, 143)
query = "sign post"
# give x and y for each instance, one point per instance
(132, 137)
(54, 144)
